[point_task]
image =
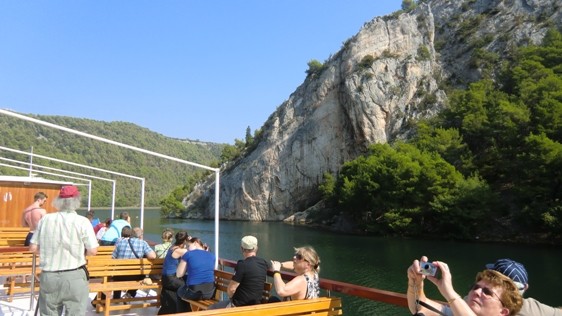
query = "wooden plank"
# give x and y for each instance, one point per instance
(13, 236)
(319, 306)
(222, 279)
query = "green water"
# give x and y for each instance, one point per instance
(370, 261)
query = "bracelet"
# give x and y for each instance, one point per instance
(276, 271)
(452, 300)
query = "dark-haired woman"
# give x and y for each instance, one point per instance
(170, 282)
(200, 267)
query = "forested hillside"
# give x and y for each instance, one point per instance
(488, 166)
(162, 176)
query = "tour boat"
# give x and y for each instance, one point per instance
(24, 303)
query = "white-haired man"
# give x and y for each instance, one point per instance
(61, 239)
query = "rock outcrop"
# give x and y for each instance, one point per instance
(384, 77)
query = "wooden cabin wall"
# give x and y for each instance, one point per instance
(16, 196)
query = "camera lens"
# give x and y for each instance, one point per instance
(426, 266)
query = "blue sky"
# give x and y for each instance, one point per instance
(202, 70)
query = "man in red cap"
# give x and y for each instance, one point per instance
(60, 239)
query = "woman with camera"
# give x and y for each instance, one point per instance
(306, 265)
(492, 294)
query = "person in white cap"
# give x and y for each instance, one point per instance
(517, 272)
(250, 274)
(61, 239)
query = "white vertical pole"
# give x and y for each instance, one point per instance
(217, 177)
(31, 163)
(89, 195)
(113, 202)
(142, 205)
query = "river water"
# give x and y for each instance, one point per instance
(370, 261)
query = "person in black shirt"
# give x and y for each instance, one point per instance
(246, 286)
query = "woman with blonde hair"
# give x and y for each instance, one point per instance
(306, 264)
(167, 238)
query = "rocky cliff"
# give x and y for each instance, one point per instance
(388, 75)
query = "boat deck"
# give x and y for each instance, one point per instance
(21, 303)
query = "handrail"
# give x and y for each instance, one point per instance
(383, 296)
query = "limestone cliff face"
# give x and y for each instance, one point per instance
(384, 77)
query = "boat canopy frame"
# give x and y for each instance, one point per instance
(145, 151)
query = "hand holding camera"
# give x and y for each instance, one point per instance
(428, 268)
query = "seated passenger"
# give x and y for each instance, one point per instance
(101, 228)
(493, 294)
(130, 248)
(306, 265)
(162, 249)
(170, 282)
(113, 232)
(200, 267)
(250, 274)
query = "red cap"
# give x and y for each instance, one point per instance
(68, 192)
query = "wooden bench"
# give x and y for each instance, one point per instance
(102, 269)
(13, 236)
(317, 306)
(16, 266)
(105, 251)
(222, 279)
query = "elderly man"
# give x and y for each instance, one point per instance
(61, 239)
(246, 286)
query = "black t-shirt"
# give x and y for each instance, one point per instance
(251, 273)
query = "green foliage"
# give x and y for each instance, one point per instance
(161, 175)
(408, 5)
(315, 68)
(171, 205)
(328, 186)
(488, 165)
(406, 191)
(366, 62)
(249, 137)
(423, 53)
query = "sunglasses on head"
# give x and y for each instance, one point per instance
(488, 293)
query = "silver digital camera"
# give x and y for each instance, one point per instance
(428, 268)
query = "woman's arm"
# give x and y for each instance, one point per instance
(296, 288)
(445, 285)
(415, 291)
(180, 270)
(287, 265)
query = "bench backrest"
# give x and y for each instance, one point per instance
(13, 236)
(107, 266)
(17, 263)
(318, 306)
(106, 251)
(222, 279)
